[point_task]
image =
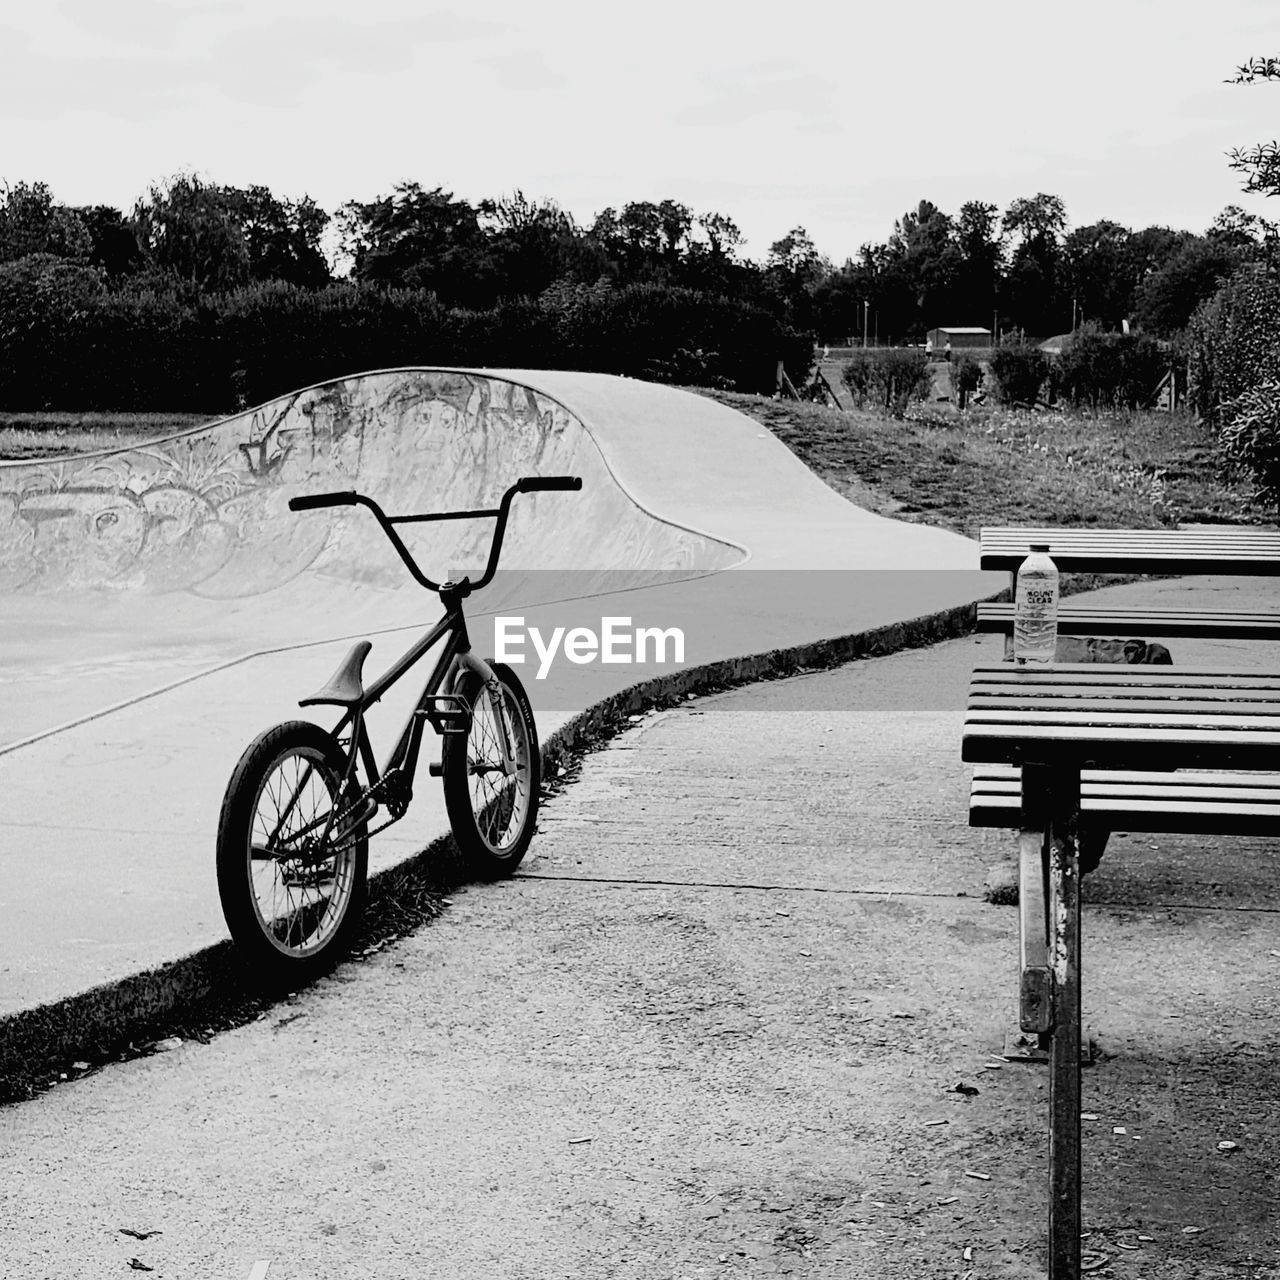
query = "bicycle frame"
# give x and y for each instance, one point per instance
(392, 785)
(402, 762)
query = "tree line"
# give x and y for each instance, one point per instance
(1017, 269)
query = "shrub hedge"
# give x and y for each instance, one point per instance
(1110, 370)
(70, 341)
(1018, 369)
(888, 378)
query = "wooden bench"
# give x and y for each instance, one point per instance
(1054, 744)
(1234, 550)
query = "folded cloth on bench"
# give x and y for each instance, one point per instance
(1097, 649)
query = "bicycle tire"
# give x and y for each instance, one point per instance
(492, 823)
(291, 936)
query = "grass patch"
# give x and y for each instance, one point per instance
(30, 436)
(1001, 466)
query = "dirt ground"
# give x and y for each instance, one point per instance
(715, 1028)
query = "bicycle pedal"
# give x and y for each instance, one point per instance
(448, 713)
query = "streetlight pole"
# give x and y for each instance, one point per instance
(866, 306)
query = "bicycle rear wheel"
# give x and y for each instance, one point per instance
(493, 808)
(292, 879)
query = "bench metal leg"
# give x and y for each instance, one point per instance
(1051, 819)
(1035, 988)
(1064, 1056)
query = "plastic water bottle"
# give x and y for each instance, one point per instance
(1035, 610)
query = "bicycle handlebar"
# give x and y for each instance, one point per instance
(532, 484)
(526, 484)
(310, 501)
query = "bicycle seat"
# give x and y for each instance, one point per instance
(346, 686)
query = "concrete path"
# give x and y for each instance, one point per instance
(163, 606)
(713, 1028)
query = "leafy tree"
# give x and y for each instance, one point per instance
(421, 240)
(1099, 271)
(1152, 247)
(1032, 290)
(1237, 229)
(1167, 297)
(793, 270)
(192, 230)
(30, 222)
(113, 243)
(646, 242)
(712, 263)
(282, 237)
(836, 303)
(978, 241)
(535, 244)
(1259, 163)
(929, 264)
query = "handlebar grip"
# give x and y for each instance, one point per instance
(534, 484)
(312, 500)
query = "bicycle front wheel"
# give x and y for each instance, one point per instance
(292, 866)
(491, 793)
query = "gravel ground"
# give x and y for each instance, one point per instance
(714, 1028)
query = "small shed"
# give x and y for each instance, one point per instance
(944, 341)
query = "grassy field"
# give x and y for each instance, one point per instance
(1000, 466)
(45, 435)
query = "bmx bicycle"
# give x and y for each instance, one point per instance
(302, 801)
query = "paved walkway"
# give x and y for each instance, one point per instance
(172, 588)
(713, 1028)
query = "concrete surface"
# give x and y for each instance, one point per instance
(163, 606)
(713, 1028)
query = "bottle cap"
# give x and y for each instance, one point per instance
(1039, 546)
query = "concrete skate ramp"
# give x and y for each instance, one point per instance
(161, 606)
(126, 570)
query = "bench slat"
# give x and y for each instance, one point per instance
(1079, 620)
(1133, 800)
(1235, 550)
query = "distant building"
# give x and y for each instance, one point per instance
(942, 342)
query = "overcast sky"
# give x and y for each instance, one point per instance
(832, 116)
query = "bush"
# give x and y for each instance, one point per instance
(45, 303)
(1019, 370)
(966, 377)
(888, 378)
(69, 341)
(1250, 436)
(1231, 342)
(1110, 370)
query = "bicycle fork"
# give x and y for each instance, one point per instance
(493, 691)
